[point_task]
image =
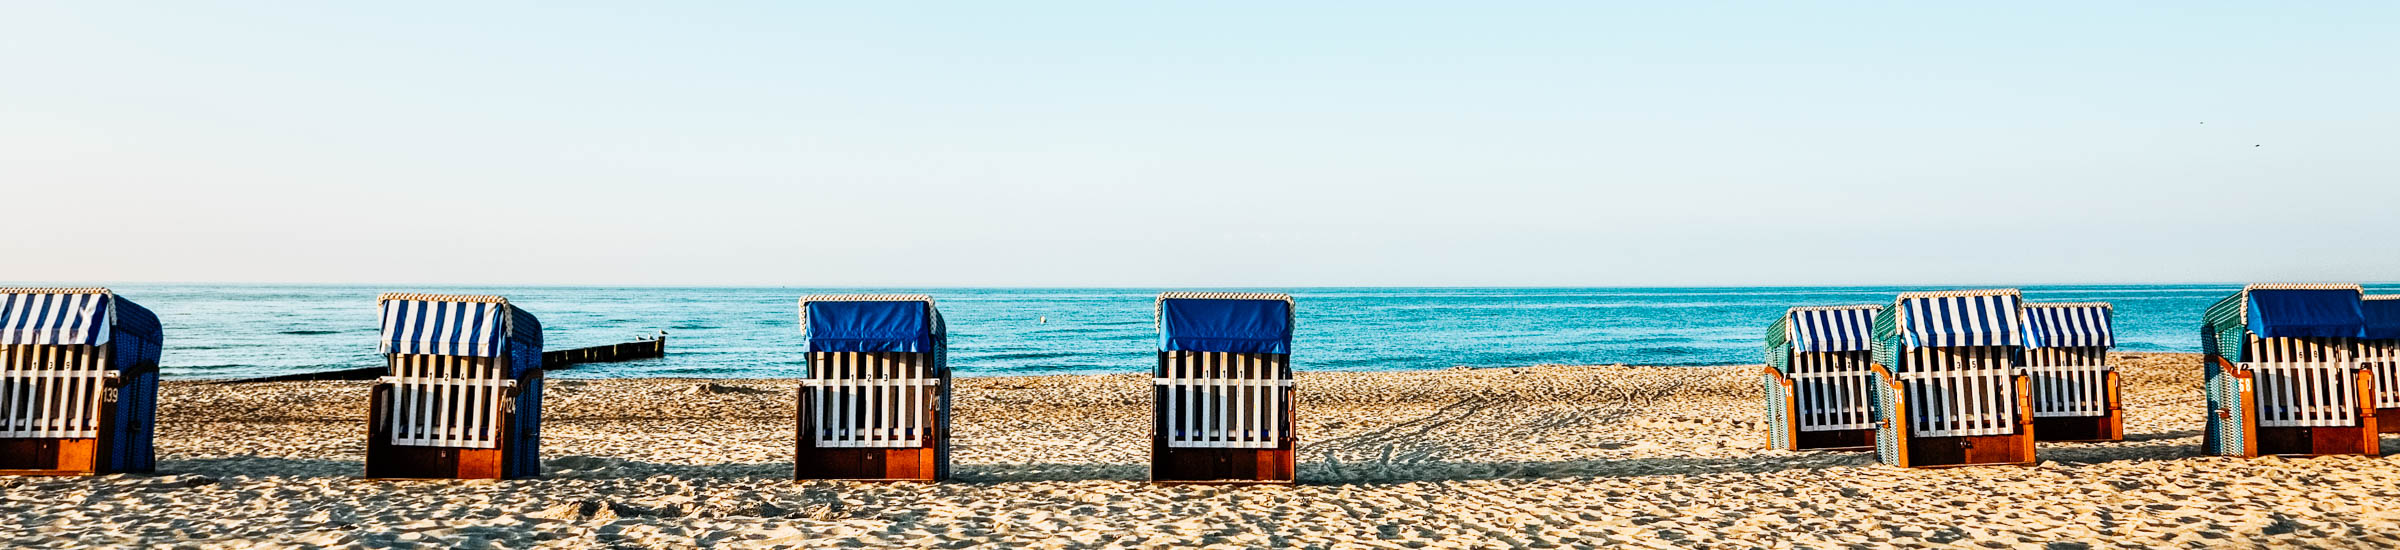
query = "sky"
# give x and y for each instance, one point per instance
(1200, 144)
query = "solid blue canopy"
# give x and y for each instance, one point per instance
(2308, 313)
(858, 325)
(1225, 325)
(2383, 318)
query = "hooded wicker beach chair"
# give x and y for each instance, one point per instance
(2284, 376)
(1949, 387)
(2381, 352)
(78, 382)
(1817, 379)
(2074, 388)
(876, 403)
(1222, 407)
(463, 394)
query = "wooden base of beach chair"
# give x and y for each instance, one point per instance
(2319, 441)
(2257, 441)
(388, 461)
(1982, 450)
(50, 457)
(2086, 429)
(2387, 421)
(1172, 465)
(46, 456)
(1834, 440)
(915, 464)
(2080, 429)
(920, 463)
(1915, 451)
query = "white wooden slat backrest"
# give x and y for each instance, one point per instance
(2383, 365)
(1960, 391)
(2305, 381)
(446, 401)
(871, 399)
(2069, 381)
(52, 391)
(1225, 400)
(1832, 390)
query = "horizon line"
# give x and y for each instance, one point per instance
(1166, 287)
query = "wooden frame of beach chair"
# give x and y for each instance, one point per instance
(463, 395)
(1222, 402)
(2075, 390)
(2284, 376)
(2381, 353)
(1950, 390)
(1818, 379)
(78, 382)
(875, 405)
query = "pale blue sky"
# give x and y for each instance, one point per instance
(1204, 144)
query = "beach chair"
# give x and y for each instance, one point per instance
(1949, 388)
(1222, 405)
(78, 382)
(2381, 352)
(2284, 376)
(876, 403)
(463, 394)
(2074, 388)
(1817, 379)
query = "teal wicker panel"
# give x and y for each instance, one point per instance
(1779, 425)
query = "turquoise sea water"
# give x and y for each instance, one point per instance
(226, 331)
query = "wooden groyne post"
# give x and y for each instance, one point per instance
(647, 347)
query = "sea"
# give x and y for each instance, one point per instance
(238, 331)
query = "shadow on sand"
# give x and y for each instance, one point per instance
(1323, 470)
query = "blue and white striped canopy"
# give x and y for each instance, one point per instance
(437, 324)
(1831, 329)
(56, 316)
(1962, 318)
(2077, 325)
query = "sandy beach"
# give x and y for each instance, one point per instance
(1540, 457)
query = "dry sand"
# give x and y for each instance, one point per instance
(1538, 457)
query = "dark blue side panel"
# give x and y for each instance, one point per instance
(135, 344)
(898, 326)
(1233, 326)
(136, 337)
(132, 427)
(525, 441)
(2306, 314)
(2383, 319)
(525, 430)
(524, 342)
